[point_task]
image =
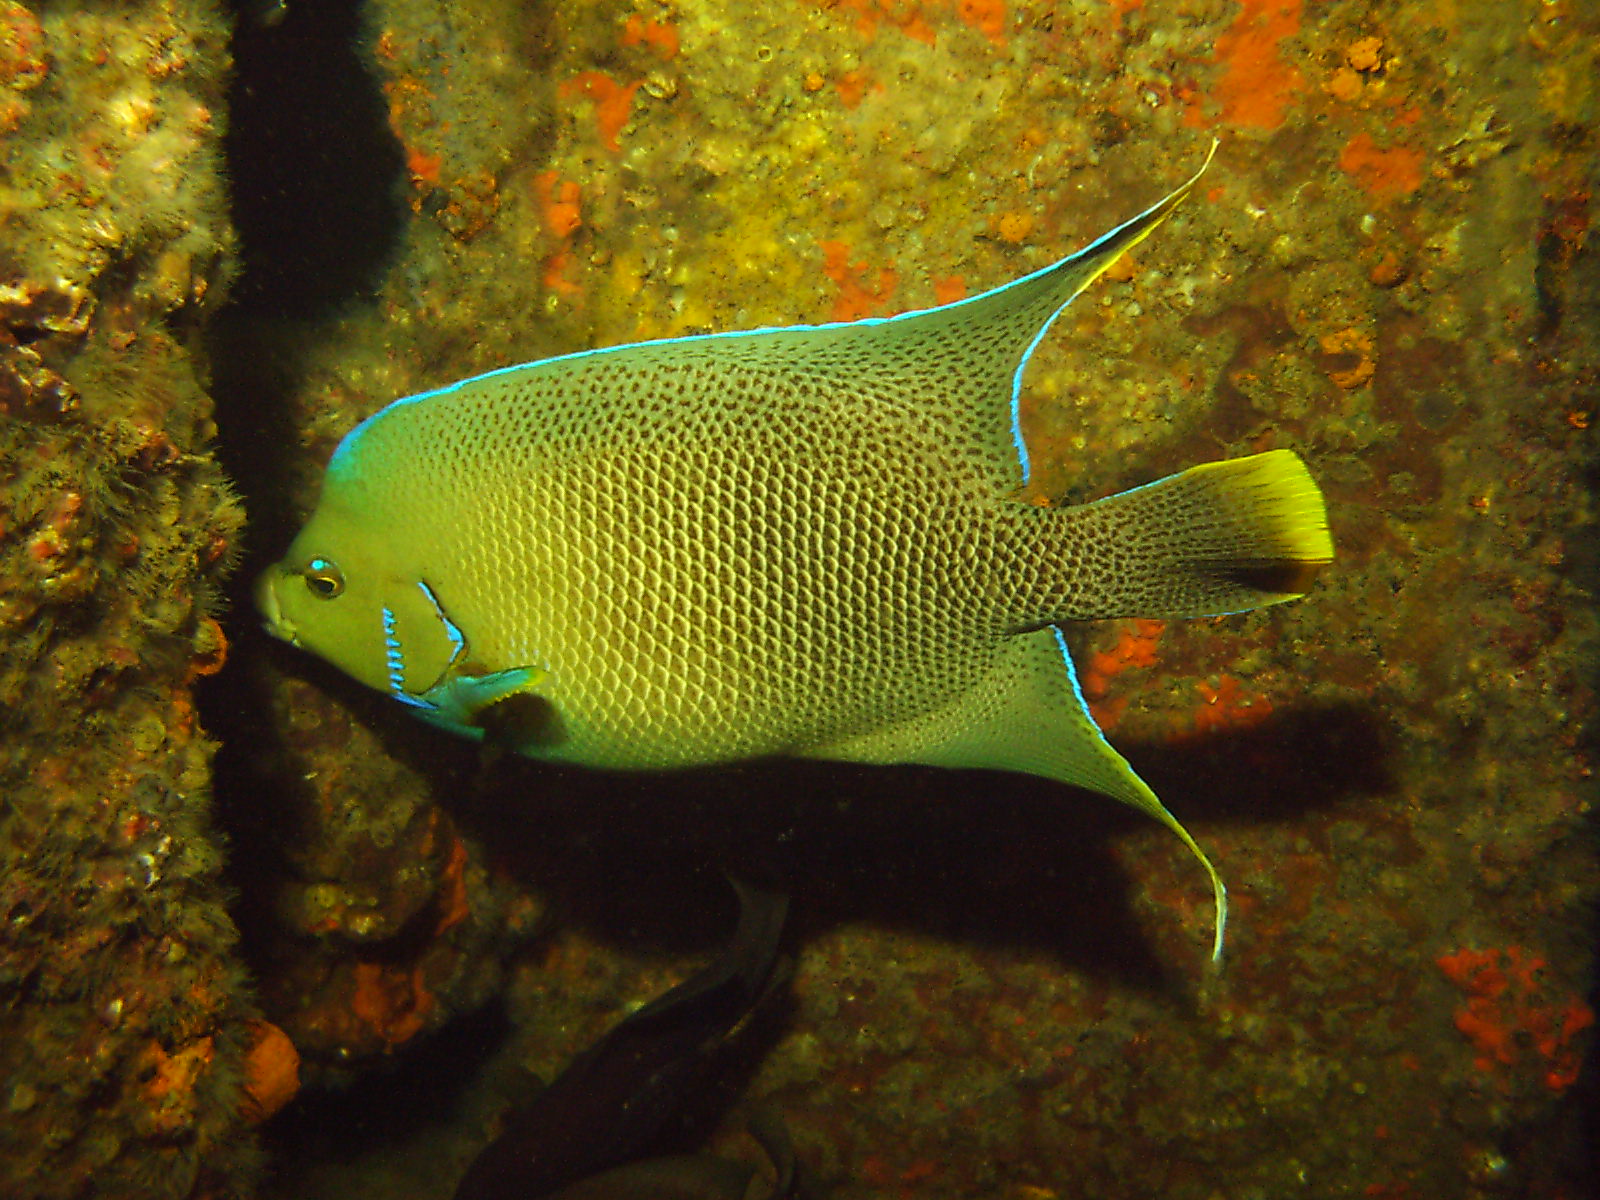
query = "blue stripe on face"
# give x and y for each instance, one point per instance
(393, 656)
(458, 640)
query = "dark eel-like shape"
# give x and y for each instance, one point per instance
(618, 1099)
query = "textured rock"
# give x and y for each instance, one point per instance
(122, 1002)
(1393, 272)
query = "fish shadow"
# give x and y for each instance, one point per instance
(1298, 761)
(995, 860)
(990, 859)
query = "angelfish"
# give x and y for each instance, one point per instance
(804, 541)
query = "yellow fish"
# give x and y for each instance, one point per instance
(798, 541)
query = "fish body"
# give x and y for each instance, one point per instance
(798, 541)
(626, 1096)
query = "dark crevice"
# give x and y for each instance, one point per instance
(316, 182)
(317, 187)
(317, 175)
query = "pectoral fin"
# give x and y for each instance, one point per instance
(422, 643)
(503, 706)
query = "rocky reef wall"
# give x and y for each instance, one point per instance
(1000, 990)
(1390, 269)
(132, 1057)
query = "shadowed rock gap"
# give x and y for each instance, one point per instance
(315, 170)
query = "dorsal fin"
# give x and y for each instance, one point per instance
(960, 364)
(975, 350)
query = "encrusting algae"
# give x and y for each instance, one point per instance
(124, 1008)
(1390, 275)
(1394, 275)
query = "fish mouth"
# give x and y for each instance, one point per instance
(273, 620)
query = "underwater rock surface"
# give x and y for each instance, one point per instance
(131, 1060)
(1392, 270)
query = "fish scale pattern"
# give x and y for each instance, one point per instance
(784, 541)
(712, 561)
(779, 543)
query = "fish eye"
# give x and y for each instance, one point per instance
(323, 578)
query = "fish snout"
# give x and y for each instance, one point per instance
(266, 596)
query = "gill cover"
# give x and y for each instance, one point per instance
(420, 643)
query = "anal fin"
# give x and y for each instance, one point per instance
(1027, 715)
